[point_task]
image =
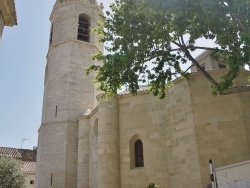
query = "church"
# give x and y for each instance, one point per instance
(86, 141)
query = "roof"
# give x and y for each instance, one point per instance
(11, 152)
(234, 89)
(29, 167)
(28, 155)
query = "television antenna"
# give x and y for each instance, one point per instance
(23, 139)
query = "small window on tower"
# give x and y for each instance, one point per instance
(83, 28)
(51, 35)
(46, 74)
(31, 182)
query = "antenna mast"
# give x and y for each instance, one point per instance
(23, 139)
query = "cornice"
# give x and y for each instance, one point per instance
(55, 123)
(89, 3)
(84, 1)
(74, 40)
(8, 12)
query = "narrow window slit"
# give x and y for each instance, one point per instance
(51, 179)
(51, 35)
(139, 161)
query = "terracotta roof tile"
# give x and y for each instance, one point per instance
(29, 167)
(11, 152)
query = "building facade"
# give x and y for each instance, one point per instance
(86, 141)
(67, 92)
(27, 160)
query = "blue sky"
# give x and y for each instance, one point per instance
(23, 50)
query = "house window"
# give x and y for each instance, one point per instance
(31, 182)
(139, 162)
(221, 66)
(83, 28)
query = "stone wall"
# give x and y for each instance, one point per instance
(181, 146)
(143, 117)
(93, 150)
(68, 93)
(29, 177)
(57, 155)
(28, 155)
(219, 125)
(245, 104)
(179, 134)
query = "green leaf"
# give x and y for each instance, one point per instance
(143, 31)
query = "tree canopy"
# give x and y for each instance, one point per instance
(163, 33)
(10, 173)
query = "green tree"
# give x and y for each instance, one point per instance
(164, 33)
(11, 175)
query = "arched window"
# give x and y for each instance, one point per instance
(83, 28)
(139, 162)
(136, 151)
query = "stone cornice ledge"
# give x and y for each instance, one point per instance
(66, 41)
(54, 123)
(87, 116)
(8, 10)
(84, 1)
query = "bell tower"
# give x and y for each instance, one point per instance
(68, 92)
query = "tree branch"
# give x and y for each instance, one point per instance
(236, 89)
(190, 57)
(188, 68)
(182, 40)
(208, 76)
(237, 19)
(205, 48)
